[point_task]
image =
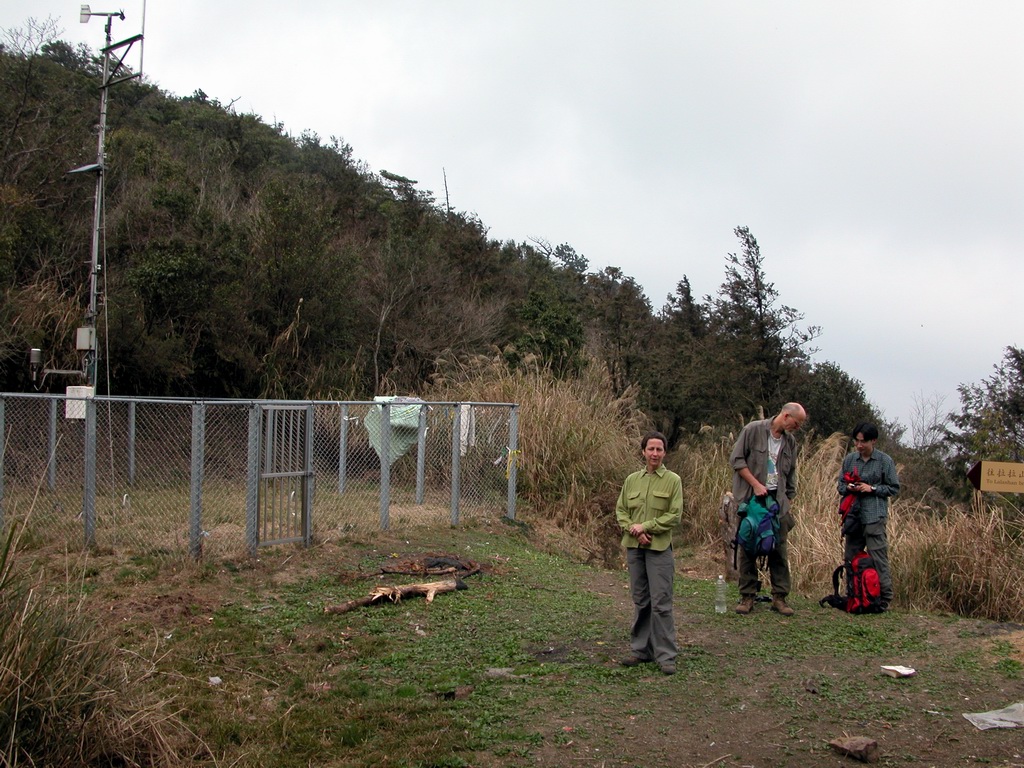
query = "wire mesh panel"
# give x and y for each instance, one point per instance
(426, 453)
(143, 476)
(285, 472)
(43, 466)
(165, 477)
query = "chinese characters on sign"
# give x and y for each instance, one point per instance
(997, 476)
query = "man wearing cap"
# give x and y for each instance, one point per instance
(876, 483)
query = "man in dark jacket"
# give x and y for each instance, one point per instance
(876, 483)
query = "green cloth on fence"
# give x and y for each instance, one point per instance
(405, 424)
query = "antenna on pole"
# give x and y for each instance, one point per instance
(85, 340)
(142, 45)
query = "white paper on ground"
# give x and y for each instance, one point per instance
(1010, 717)
(896, 670)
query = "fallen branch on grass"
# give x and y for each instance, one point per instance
(396, 594)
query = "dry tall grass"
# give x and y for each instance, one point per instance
(965, 561)
(576, 437)
(578, 442)
(815, 544)
(67, 696)
(704, 469)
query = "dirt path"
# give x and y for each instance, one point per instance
(747, 694)
(750, 692)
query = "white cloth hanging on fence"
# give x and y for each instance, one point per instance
(467, 428)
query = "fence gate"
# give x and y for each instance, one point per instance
(285, 492)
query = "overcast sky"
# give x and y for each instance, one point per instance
(874, 149)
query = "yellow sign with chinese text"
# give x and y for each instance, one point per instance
(997, 476)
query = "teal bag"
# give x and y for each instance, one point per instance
(758, 531)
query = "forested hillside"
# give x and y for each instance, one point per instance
(240, 260)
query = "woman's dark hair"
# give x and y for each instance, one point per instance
(866, 428)
(653, 436)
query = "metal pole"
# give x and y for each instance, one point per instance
(385, 465)
(92, 347)
(421, 454)
(456, 457)
(51, 447)
(342, 448)
(512, 461)
(195, 527)
(308, 481)
(131, 443)
(252, 480)
(89, 484)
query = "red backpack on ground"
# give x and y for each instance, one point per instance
(863, 587)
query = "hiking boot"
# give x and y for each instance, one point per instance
(746, 605)
(779, 604)
(634, 661)
(668, 668)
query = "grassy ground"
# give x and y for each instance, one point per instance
(520, 668)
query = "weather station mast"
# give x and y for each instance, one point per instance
(86, 337)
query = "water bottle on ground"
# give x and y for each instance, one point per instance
(720, 587)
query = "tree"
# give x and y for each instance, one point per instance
(240, 261)
(928, 421)
(553, 331)
(990, 424)
(834, 400)
(567, 256)
(762, 339)
(681, 386)
(686, 318)
(46, 114)
(621, 324)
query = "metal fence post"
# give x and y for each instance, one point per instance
(51, 447)
(308, 482)
(385, 465)
(456, 463)
(342, 448)
(89, 485)
(131, 443)
(195, 528)
(513, 460)
(252, 481)
(421, 454)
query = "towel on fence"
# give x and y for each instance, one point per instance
(404, 417)
(467, 428)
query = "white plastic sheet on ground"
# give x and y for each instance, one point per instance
(1010, 717)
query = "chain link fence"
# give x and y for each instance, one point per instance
(162, 477)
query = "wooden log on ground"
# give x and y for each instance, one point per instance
(397, 594)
